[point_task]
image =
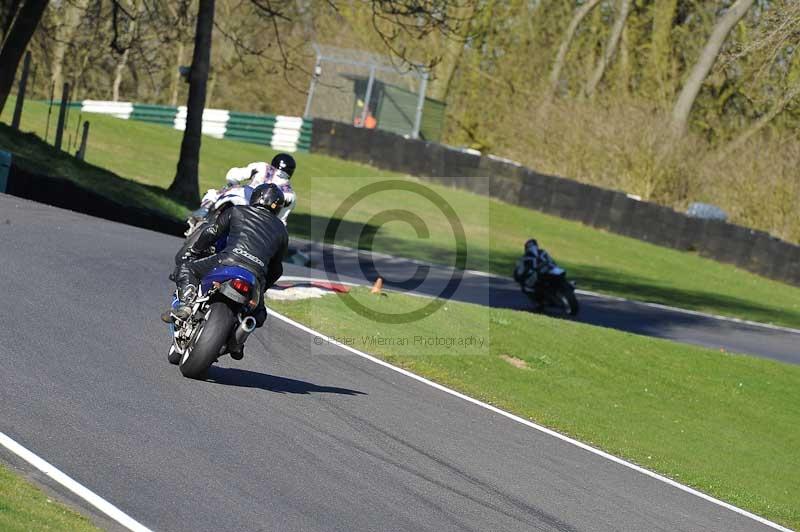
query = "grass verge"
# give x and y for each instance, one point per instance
(24, 507)
(145, 155)
(724, 424)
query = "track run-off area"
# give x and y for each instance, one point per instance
(296, 436)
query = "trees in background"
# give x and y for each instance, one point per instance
(624, 9)
(66, 25)
(607, 91)
(561, 55)
(666, 65)
(703, 65)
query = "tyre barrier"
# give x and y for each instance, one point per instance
(283, 133)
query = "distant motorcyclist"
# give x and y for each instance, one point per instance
(279, 172)
(255, 240)
(529, 270)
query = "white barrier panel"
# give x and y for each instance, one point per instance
(288, 122)
(214, 121)
(286, 134)
(289, 147)
(216, 115)
(117, 109)
(214, 130)
(180, 118)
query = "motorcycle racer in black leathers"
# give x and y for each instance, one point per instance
(257, 240)
(529, 270)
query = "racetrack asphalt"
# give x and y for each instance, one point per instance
(631, 316)
(294, 437)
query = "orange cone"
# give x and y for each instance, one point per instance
(376, 288)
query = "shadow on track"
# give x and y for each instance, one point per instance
(251, 379)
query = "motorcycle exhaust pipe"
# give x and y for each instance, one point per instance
(244, 329)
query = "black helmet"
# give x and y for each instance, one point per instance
(268, 196)
(283, 162)
(530, 246)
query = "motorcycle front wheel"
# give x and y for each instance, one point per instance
(569, 303)
(209, 342)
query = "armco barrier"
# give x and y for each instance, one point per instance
(613, 211)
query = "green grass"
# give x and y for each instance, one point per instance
(23, 508)
(146, 154)
(724, 424)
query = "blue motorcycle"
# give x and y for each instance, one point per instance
(220, 321)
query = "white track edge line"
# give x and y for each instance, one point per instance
(531, 424)
(78, 489)
(694, 312)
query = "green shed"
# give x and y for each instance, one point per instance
(395, 109)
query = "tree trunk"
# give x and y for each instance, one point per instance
(8, 13)
(123, 60)
(658, 65)
(306, 12)
(17, 40)
(624, 62)
(611, 47)
(176, 77)
(561, 56)
(64, 35)
(212, 84)
(440, 86)
(185, 186)
(453, 49)
(688, 95)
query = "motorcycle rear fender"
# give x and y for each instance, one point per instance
(226, 272)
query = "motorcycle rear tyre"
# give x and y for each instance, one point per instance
(211, 340)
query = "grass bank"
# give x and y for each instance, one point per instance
(135, 161)
(24, 507)
(724, 424)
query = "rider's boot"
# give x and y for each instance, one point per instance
(187, 296)
(237, 352)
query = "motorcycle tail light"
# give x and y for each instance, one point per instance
(243, 287)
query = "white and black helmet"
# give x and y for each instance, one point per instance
(284, 165)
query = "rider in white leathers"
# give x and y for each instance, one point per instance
(279, 172)
(242, 181)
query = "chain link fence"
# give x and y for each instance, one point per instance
(367, 90)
